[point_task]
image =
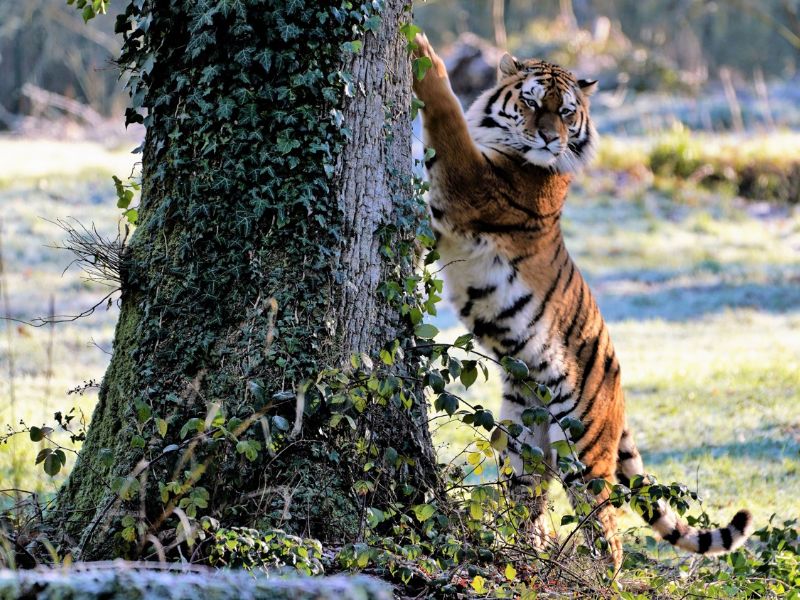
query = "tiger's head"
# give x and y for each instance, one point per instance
(538, 111)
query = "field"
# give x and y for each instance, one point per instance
(701, 291)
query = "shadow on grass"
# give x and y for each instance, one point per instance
(761, 449)
(686, 302)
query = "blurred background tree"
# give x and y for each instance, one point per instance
(695, 37)
(46, 47)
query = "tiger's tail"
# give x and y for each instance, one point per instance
(669, 525)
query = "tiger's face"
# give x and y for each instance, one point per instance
(538, 111)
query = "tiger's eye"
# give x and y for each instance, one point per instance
(531, 102)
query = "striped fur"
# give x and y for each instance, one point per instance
(498, 183)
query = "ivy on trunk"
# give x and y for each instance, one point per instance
(264, 279)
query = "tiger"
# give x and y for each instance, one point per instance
(498, 178)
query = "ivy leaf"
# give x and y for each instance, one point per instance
(410, 31)
(420, 66)
(373, 24)
(106, 457)
(143, 411)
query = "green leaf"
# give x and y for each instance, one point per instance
(391, 456)
(193, 423)
(420, 66)
(43, 454)
(410, 31)
(162, 426)
(375, 517)
(484, 418)
(425, 331)
(423, 512)
(52, 464)
(250, 449)
(143, 411)
(463, 340)
(132, 215)
(436, 381)
(499, 439)
(475, 511)
(137, 441)
(597, 485)
(515, 367)
(544, 393)
(573, 426)
(446, 402)
(562, 447)
(470, 373)
(106, 457)
(36, 434)
(535, 416)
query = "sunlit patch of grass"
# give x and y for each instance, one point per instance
(25, 162)
(765, 166)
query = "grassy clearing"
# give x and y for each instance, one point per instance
(28, 162)
(39, 365)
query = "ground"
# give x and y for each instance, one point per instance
(700, 291)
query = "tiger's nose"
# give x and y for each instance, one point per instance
(547, 138)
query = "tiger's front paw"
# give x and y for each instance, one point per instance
(435, 78)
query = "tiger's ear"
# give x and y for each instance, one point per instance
(588, 86)
(509, 65)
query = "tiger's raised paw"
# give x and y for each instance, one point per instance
(436, 75)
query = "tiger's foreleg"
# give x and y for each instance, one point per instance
(445, 128)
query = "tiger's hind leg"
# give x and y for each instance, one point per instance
(602, 521)
(529, 477)
(532, 494)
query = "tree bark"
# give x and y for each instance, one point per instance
(276, 173)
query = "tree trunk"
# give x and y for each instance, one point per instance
(276, 212)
